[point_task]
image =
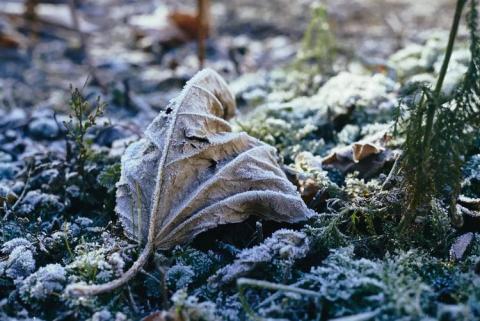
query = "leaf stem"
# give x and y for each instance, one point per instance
(89, 290)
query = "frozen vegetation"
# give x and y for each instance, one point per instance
(317, 154)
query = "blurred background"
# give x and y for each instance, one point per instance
(138, 54)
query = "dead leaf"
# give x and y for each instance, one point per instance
(364, 156)
(460, 246)
(191, 173)
(205, 169)
(169, 28)
(157, 27)
(8, 41)
(188, 23)
(11, 38)
(361, 151)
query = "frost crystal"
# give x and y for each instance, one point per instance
(117, 263)
(347, 89)
(103, 315)
(9, 246)
(192, 309)
(20, 262)
(93, 264)
(179, 276)
(45, 204)
(284, 244)
(46, 281)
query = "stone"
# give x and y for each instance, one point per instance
(44, 128)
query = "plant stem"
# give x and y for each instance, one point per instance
(67, 244)
(203, 25)
(442, 74)
(244, 282)
(428, 108)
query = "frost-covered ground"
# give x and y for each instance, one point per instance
(334, 135)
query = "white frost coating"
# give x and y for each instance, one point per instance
(46, 281)
(348, 89)
(284, 244)
(210, 175)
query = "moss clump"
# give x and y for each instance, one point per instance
(47, 283)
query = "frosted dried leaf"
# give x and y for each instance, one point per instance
(460, 246)
(206, 175)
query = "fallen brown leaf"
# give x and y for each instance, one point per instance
(367, 158)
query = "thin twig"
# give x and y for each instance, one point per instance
(392, 173)
(277, 294)
(132, 300)
(151, 276)
(359, 316)
(20, 198)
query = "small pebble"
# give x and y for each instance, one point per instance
(43, 128)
